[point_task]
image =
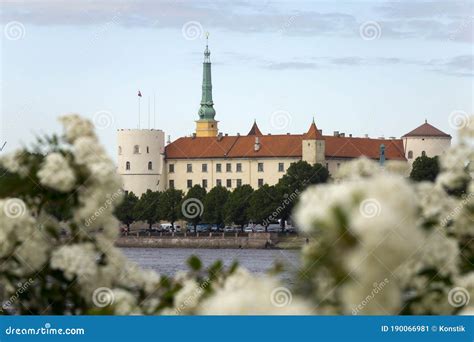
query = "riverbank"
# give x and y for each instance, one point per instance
(215, 241)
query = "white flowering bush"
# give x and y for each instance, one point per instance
(57, 234)
(380, 244)
(377, 227)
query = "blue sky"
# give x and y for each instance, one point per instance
(377, 68)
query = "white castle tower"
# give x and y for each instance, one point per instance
(425, 140)
(141, 159)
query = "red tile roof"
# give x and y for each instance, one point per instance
(313, 132)
(347, 147)
(279, 146)
(426, 130)
(255, 130)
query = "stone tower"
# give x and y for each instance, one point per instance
(206, 126)
(313, 146)
(140, 160)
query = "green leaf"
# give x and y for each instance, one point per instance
(194, 263)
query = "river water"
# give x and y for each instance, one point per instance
(168, 261)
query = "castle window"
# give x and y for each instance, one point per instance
(150, 165)
(238, 167)
(189, 183)
(218, 167)
(228, 167)
(410, 154)
(171, 168)
(204, 183)
(229, 183)
(189, 168)
(281, 167)
(239, 182)
(423, 153)
(120, 150)
(171, 184)
(260, 182)
(338, 165)
(260, 167)
(218, 182)
(127, 166)
(327, 166)
(147, 149)
(204, 167)
(136, 149)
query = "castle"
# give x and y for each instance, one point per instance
(210, 158)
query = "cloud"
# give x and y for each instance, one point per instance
(291, 65)
(399, 20)
(460, 66)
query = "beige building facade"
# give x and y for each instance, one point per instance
(209, 158)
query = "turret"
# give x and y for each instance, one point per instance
(314, 145)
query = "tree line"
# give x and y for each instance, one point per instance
(265, 205)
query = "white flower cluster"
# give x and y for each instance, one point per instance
(245, 294)
(22, 245)
(56, 173)
(376, 217)
(375, 224)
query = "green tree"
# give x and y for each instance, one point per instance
(169, 207)
(146, 209)
(192, 206)
(425, 168)
(214, 205)
(297, 178)
(263, 205)
(236, 209)
(125, 211)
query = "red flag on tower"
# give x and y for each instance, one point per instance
(139, 94)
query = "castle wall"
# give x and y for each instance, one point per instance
(250, 173)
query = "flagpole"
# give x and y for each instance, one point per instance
(148, 112)
(139, 112)
(154, 110)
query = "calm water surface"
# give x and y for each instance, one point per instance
(170, 260)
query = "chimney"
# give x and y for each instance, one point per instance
(342, 135)
(226, 134)
(219, 136)
(169, 139)
(336, 133)
(350, 135)
(320, 131)
(257, 145)
(382, 138)
(238, 134)
(392, 138)
(194, 135)
(366, 136)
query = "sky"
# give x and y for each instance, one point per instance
(360, 67)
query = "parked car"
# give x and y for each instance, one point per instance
(273, 228)
(258, 228)
(229, 229)
(203, 228)
(248, 229)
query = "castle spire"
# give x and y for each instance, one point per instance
(207, 111)
(206, 126)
